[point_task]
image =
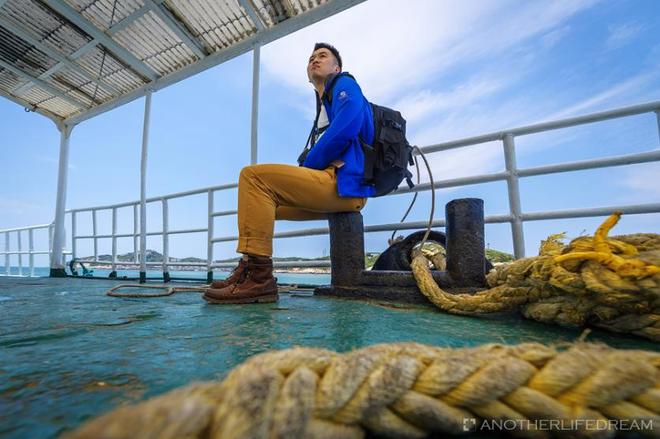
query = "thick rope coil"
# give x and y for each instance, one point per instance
(403, 390)
(609, 282)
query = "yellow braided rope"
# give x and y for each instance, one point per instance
(401, 390)
(609, 282)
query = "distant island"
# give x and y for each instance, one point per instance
(495, 256)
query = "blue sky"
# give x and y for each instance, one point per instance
(454, 69)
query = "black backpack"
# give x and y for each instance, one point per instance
(386, 160)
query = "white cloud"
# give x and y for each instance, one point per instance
(414, 43)
(17, 207)
(418, 105)
(642, 180)
(633, 84)
(622, 34)
(52, 161)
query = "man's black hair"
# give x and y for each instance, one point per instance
(332, 49)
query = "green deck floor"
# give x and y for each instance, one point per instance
(68, 352)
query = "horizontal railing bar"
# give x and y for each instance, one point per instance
(25, 253)
(546, 126)
(20, 229)
(225, 213)
(373, 228)
(629, 159)
(179, 232)
(462, 181)
(591, 212)
(159, 198)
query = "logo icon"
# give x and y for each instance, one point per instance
(469, 424)
(343, 95)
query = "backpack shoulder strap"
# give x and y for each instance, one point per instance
(330, 84)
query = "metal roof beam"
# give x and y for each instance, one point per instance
(121, 25)
(248, 6)
(25, 35)
(25, 104)
(259, 39)
(41, 84)
(128, 20)
(177, 27)
(122, 54)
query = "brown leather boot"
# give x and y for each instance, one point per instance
(259, 285)
(233, 277)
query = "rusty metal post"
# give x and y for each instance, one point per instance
(465, 242)
(346, 248)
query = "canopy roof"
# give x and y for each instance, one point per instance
(73, 59)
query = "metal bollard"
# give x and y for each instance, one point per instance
(346, 248)
(465, 242)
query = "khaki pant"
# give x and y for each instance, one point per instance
(270, 192)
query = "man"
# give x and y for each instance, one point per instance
(329, 179)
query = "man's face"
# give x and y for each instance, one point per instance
(321, 64)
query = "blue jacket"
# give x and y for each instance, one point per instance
(350, 117)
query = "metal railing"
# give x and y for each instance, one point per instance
(512, 175)
(30, 252)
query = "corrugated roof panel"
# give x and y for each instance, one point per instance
(38, 20)
(237, 23)
(86, 88)
(219, 24)
(302, 6)
(146, 37)
(266, 11)
(59, 106)
(9, 81)
(151, 40)
(35, 95)
(104, 13)
(22, 55)
(113, 72)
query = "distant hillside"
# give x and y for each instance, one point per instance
(369, 258)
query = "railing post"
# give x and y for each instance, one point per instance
(74, 232)
(657, 116)
(256, 55)
(7, 258)
(135, 233)
(166, 242)
(514, 196)
(113, 272)
(143, 188)
(51, 232)
(94, 232)
(209, 243)
(31, 247)
(56, 259)
(20, 254)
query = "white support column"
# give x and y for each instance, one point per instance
(143, 189)
(209, 242)
(31, 249)
(514, 197)
(256, 55)
(56, 260)
(166, 241)
(20, 254)
(113, 272)
(7, 267)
